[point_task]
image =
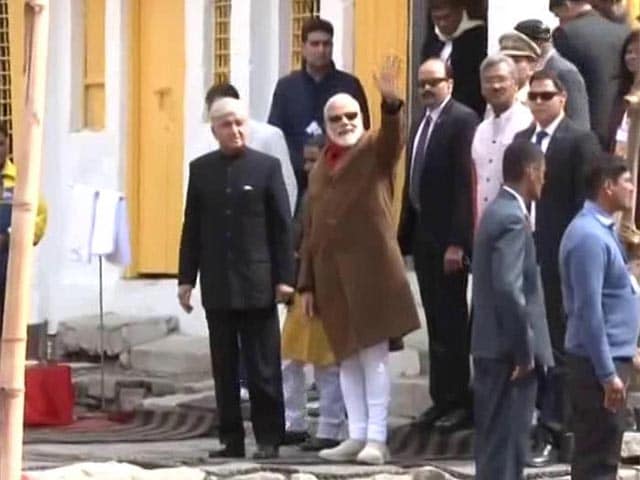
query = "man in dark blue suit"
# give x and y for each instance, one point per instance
(509, 334)
(437, 228)
(568, 152)
(237, 238)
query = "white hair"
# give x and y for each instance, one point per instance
(227, 106)
(499, 59)
(340, 98)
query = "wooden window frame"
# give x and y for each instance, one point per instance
(301, 11)
(5, 69)
(94, 65)
(221, 14)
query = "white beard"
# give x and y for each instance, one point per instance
(347, 139)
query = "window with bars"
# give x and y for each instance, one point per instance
(221, 41)
(5, 68)
(94, 62)
(301, 11)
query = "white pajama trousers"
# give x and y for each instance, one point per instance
(295, 399)
(366, 388)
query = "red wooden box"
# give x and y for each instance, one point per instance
(49, 395)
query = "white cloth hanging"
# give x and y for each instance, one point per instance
(100, 225)
(84, 206)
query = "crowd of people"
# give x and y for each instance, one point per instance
(511, 179)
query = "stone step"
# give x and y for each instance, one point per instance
(121, 333)
(409, 396)
(173, 355)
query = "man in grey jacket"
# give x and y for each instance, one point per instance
(594, 45)
(577, 100)
(509, 334)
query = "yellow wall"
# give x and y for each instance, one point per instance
(634, 10)
(381, 28)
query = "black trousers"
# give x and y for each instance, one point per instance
(259, 333)
(597, 431)
(444, 298)
(552, 397)
(502, 415)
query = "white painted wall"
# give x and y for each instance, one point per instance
(503, 15)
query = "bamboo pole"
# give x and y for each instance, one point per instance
(19, 273)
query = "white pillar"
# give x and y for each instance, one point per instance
(340, 14)
(503, 15)
(266, 36)
(241, 13)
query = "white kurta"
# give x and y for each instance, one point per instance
(492, 138)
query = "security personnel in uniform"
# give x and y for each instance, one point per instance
(237, 235)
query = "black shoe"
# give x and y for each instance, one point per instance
(229, 451)
(315, 444)
(457, 419)
(294, 437)
(265, 452)
(430, 416)
(546, 454)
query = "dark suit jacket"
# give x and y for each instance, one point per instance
(594, 45)
(237, 230)
(509, 320)
(467, 53)
(570, 152)
(446, 213)
(577, 99)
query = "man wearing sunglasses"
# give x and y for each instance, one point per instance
(436, 229)
(568, 150)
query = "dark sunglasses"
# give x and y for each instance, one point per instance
(350, 116)
(544, 96)
(432, 82)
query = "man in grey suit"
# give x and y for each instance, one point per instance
(509, 335)
(577, 108)
(594, 45)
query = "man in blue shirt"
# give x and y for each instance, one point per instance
(601, 299)
(299, 98)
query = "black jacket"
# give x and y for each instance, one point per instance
(237, 230)
(570, 152)
(446, 185)
(468, 51)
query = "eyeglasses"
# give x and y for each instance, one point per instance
(349, 116)
(432, 82)
(543, 96)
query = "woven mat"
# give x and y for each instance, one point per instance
(142, 426)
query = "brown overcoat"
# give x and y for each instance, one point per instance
(350, 257)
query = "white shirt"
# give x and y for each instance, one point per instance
(268, 139)
(434, 118)
(550, 129)
(492, 138)
(445, 53)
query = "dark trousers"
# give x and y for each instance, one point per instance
(444, 298)
(552, 397)
(597, 431)
(502, 415)
(259, 333)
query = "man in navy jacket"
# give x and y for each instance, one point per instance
(299, 97)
